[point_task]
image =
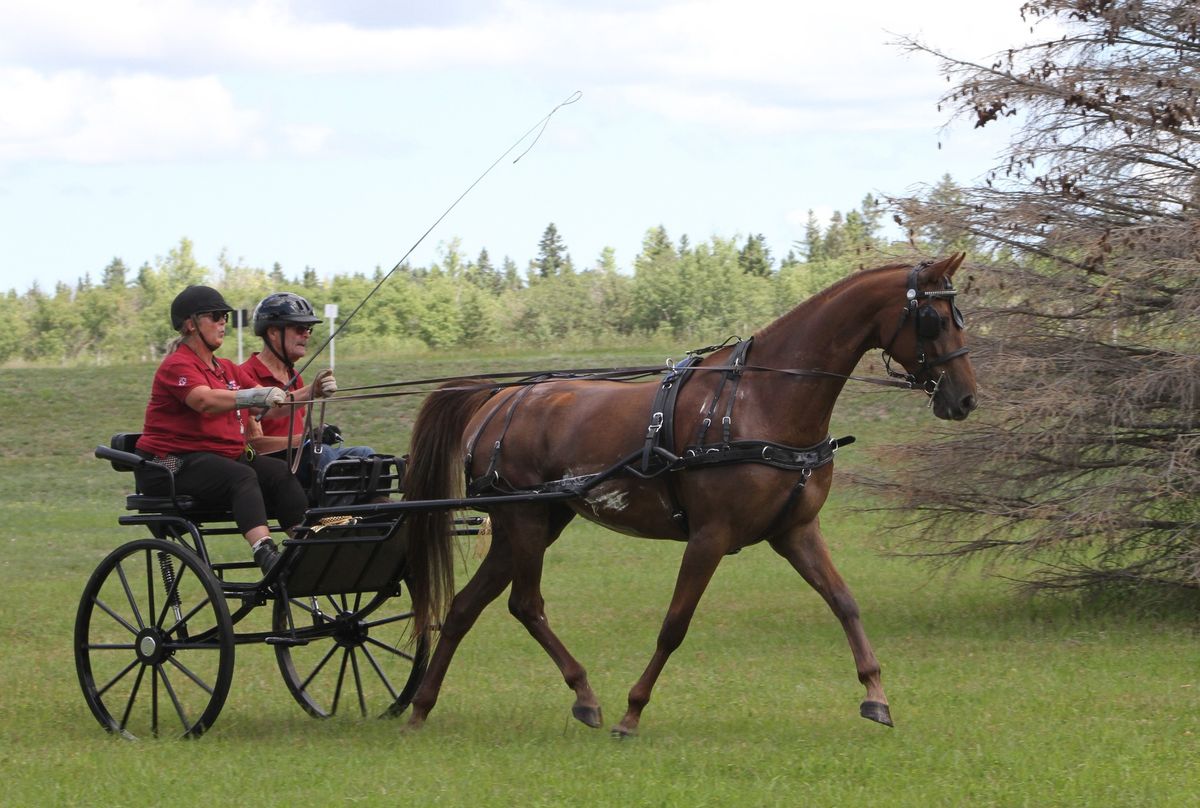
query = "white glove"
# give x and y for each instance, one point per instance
(324, 385)
(260, 397)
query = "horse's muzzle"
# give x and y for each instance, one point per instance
(950, 406)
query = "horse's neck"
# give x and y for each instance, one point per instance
(829, 332)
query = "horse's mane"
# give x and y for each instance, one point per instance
(836, 288)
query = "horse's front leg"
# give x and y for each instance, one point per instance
(700, 559)
(804, 547)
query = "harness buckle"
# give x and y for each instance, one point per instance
(656, 422)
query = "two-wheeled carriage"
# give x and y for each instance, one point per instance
(160, 617)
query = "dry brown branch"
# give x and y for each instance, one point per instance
(1086, 313)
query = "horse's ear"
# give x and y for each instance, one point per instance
(955, 263)
(945, 268)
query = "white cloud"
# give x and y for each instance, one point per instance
(92, 82)
(75, 117)
(172, 36)
(306, 140)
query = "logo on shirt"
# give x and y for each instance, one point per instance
(183, 381)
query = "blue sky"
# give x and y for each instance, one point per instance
(333, 134)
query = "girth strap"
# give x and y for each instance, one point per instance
(762, 451)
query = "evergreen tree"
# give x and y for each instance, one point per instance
(483, 275)
(755, 258)
(114, 275)
(512, 275)
(834, 242)
(813, 246)
(553, 258)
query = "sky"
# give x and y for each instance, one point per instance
(333, 135)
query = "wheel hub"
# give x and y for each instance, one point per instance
(151, 646)
(350, 633)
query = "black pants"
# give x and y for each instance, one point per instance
(250, 488)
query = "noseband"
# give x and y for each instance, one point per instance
(928, 325)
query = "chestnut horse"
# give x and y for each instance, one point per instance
(528, 438)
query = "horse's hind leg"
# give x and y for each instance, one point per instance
(493, 575)
(805, 549)
(533, 530)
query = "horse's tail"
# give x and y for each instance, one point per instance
(435, 472)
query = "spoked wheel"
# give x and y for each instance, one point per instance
(154, 642)
(360, 655)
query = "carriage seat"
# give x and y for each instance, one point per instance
(347, 481)
(125, 459)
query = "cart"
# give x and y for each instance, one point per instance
(161, 616)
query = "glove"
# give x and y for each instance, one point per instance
(324, 385)
(260, 397)
(331, 434)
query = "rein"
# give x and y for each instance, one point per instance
(626, 374)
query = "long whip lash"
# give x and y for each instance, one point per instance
(540, 125)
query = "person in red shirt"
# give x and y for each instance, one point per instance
(285, 322)
(195, 425)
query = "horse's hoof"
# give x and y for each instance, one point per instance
(876, 711)
(588, 715)
(620, 733)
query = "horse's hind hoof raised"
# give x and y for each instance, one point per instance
(588, 715)
(876, 711)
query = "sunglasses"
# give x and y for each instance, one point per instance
(216, 316)
(301, 329)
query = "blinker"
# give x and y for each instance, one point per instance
(929, 322)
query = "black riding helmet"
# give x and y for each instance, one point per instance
(196, 300)
(282, 308)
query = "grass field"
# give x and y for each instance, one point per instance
(998, 700)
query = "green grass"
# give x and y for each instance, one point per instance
(998, 700)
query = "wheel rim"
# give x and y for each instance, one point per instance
(361, 657)
(153, 642)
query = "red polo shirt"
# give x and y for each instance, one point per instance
(172, 427)
(263, 377)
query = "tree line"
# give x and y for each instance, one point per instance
(674, 289)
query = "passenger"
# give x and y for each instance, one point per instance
(196, 425)
(285, 322)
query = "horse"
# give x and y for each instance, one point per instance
(601, 437)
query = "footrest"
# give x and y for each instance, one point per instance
(290, 642)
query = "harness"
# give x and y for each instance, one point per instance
(657, 455)
(660, 433)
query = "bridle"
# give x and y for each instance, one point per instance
(928, 324)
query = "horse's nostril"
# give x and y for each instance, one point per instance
(968, 403)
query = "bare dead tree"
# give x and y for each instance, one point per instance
(1087, 305)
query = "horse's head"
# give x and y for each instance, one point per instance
(929, 340)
